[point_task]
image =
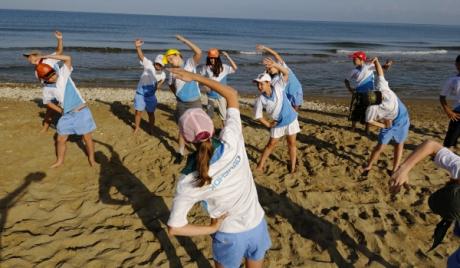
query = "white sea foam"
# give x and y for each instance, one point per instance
(397, 52)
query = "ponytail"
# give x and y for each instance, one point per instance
(204, 156)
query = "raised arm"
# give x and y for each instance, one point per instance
(232, 63)
(269, 63)
(401, 176)
(230, 94)
(138, 44)
(65, 58)
(196, 50)
(378, 67)
(271, 51)
(60, 43)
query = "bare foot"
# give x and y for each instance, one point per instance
(260, 169)
(365, 171)
(135, 131)
(43, 130)
(57, 164)
(92, 162)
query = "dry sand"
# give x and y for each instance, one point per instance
(115, 213)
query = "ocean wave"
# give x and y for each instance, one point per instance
(349, 44)
(250, 53)
(398, 52)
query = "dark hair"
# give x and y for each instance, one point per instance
(457, 60)
(202, 164)
(217, 67)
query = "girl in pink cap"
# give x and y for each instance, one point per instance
(218, 176)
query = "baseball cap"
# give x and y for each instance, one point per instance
(32, 52)
(213, 53)
(358, 55)
(159, 59)
(195, 125)
(263, 77)
(169, 52)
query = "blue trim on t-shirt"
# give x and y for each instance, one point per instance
(147, 90)
(366, 85)
(294, 89)
(287, 114)
(214, 95)
(71, 98)
(189, 92)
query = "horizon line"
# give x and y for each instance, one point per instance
(233, 18)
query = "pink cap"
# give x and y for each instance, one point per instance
(195, 125)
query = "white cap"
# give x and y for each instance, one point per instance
(263, 77)
(159, 59)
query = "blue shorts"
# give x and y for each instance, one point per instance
(76, 123)
(399, 130)
(142, 103)
(229, 249)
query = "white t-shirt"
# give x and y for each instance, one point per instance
(388, 109)
(191, 89)
(362, 78)
(448, 160)
(150, 76)
(226, 70)
(232, 188)
(277, 105)
(452, 88)
(221, 78)
(64, 91)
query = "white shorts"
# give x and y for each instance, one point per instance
(291, 129)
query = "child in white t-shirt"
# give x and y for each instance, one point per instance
(293, 87)
(444, 202)
(362, 77)
(187, 93)
(33, 57)
(218, 71)
(151, 79)
(452, 88)
(391, 116)
(274, 100)
(76, 117)
(219, 177)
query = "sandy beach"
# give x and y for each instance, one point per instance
(114, 214)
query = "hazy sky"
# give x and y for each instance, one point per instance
(410, 11)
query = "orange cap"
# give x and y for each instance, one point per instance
(213, 53)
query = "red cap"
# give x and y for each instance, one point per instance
(359, 55)
(43, 70)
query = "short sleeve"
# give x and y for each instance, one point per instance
(447, 88)
(148, 64)
(190, 65)
(371, 113)
(228, 69)
(64, 75)
(47, 96)
(353, 75)
(370, 67)
(182, 203)
(381, 83)
(258, 109)
(232, 128)
(448, 160)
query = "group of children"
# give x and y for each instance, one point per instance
(218, 174)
